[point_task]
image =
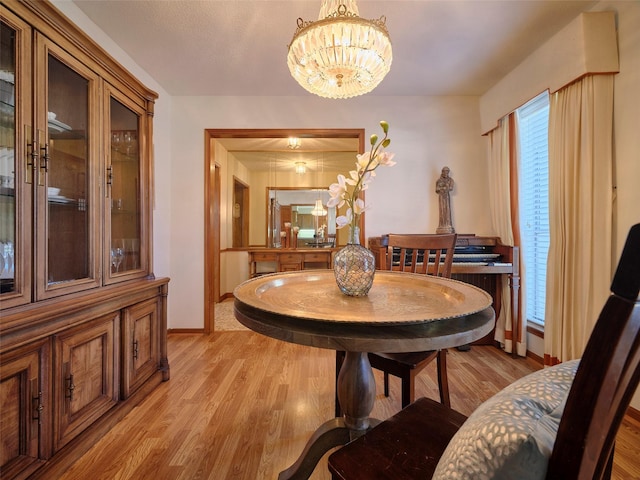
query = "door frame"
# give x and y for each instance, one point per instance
(212, 176)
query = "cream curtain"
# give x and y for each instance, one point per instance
(580, 218)
(501, 153)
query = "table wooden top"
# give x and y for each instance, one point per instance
(402, 312)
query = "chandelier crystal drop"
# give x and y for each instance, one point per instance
(340, 55)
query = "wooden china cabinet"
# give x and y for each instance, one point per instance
(82, 317)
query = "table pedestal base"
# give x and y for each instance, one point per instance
(330, 434)
(357, 394)
(333, 433)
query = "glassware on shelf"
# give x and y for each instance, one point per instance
(3, 260)
(132, 253)
(126, 137)
(129, 140)
(116, 140)
(8, 260)
(117, 254)
(125, 225)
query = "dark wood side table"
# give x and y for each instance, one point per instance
(402, 313)
(290, 259)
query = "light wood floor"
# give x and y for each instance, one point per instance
(241, 406)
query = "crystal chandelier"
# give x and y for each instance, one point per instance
(340, 55)
(318, 209)
(301, 168)
(294, 143)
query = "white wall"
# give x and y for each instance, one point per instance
(426, 134)
(587, 45)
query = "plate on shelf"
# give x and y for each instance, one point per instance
(59, 199)
(57, 125)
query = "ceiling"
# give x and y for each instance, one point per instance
(239, 47)
(273, 154)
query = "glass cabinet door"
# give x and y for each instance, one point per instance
(15, 177)
(126, 254)
(67, 253)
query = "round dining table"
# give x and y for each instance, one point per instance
(402, 312)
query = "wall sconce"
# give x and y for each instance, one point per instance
(301, 168)
(294, 143)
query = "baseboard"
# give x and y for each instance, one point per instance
(633, 414)
(185, 330)
(535, 357)
(226, 296)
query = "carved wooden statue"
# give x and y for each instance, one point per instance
(444, 185)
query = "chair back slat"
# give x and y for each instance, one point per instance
(430, 254)
(606, 379)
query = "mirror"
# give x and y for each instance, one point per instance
(300, 217)
(273, 192)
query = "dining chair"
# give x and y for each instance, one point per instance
(558, 422)
(430, 254)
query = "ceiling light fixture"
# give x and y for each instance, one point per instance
(340, 55)
(318, 209)
(294, 143)
(301, 168)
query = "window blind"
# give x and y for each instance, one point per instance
(533, 133)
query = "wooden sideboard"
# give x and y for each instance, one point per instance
(83, 319)
(290, 260)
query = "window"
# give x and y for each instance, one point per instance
(533, 133)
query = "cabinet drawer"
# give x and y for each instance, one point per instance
(291, 258)
(290, 267)
(317, 257)
(264, 257)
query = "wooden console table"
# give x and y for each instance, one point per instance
(291, 260)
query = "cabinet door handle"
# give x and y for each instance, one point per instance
(32, 155)
(44, 158)
(70, 388)
(38, 408)
(135, 349)
(109, 175)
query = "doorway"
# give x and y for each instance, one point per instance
(240, 215)
(258, 140)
